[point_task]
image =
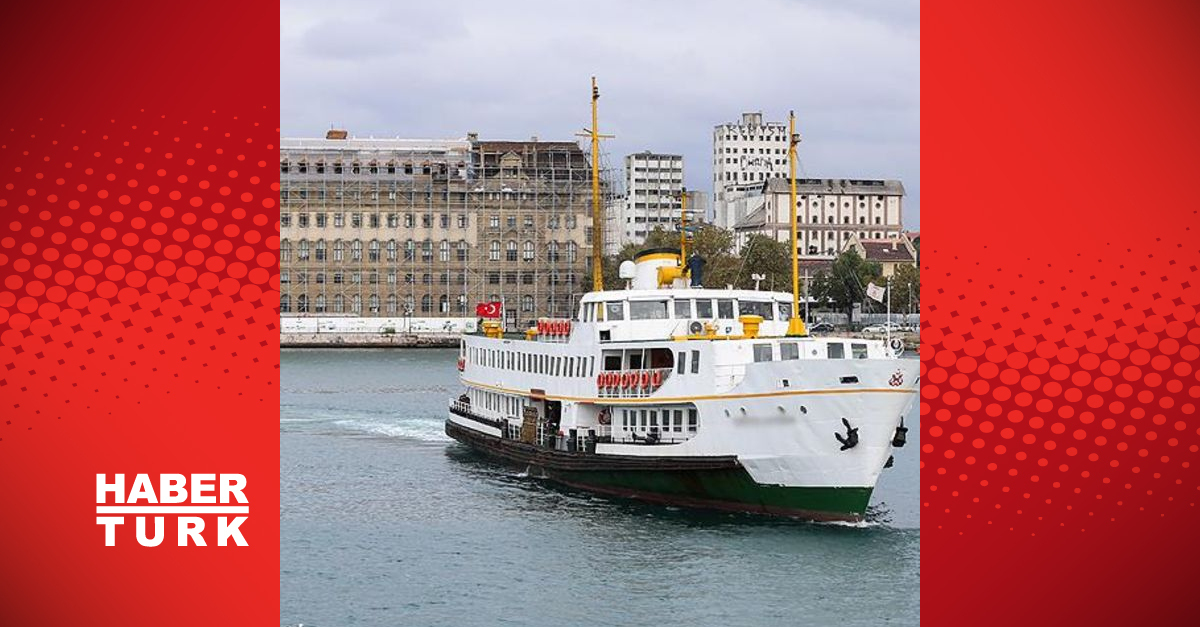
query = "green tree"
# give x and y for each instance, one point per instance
(767, 256)
(906, 289)
(846, 282)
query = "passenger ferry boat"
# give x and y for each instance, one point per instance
(672, 393)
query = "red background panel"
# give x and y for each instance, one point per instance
(138, 302)
(1060, 339)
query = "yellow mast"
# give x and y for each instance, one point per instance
(795, 324)
(597, 226)
(683, 228)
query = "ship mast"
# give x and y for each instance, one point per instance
(795, 324)
(683, 227)
(597, 215)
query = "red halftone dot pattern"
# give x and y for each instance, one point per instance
(1040, 415)
(114, 285)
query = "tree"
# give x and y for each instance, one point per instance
(906, 288)
(846, 282)
(769, 257)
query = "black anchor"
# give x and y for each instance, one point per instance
(901, 436)
(851, 439)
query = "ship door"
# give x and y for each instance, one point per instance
(554, 413)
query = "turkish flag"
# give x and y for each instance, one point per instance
(488, 310)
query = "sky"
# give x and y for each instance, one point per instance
(668, 72)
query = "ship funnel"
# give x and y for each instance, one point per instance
(656, 267)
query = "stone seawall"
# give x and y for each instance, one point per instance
(368, 340)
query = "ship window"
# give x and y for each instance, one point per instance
(642, 419)
(788, 351)
(725, 309)
(614, 311)
(762, 352)
(704, 308)
(635, 359)
(591, 365)
(570, 367)
(836, 350)
(681, 364)
(648, 310)
(683, 308)
(756, 308)
(785, 311)
(692, 422)
(660, 358)
(695, 362)
(858, 351)
(612, 361)
(678, 427)
(653, 417)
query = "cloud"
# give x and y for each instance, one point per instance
(668, 72)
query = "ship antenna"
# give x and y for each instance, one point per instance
(795, 324)
(597, 215)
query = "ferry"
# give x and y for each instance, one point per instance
(673, 393)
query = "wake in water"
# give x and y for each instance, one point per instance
(423, 429)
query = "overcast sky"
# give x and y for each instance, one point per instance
(668, 72)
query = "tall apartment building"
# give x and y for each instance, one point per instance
(745, 154)
(653, 184)
(429, 228)
(829, 212)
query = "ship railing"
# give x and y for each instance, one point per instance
(637, 390)
(464, 409)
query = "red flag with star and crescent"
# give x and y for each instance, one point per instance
(488, 310)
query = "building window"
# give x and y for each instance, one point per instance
(527, 251)
(356, 250)
(511, 251)
(494, 251)
(373, 250)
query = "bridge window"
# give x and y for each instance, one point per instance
(648, 310)
(725, 309)
(614, 310)
(683, 308)
(704, 309)
(756, 308)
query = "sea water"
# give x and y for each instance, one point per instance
(385, 521)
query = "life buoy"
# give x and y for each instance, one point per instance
(610, 379)
(600, 380)
(658, 378)
(645, 378)
(626, 379)
(566, 327)
(541, 326)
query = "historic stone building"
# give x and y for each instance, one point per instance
(406, 228)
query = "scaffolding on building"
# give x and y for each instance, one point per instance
(429, 228)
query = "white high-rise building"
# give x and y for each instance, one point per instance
(744, 155)
(653, 184)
